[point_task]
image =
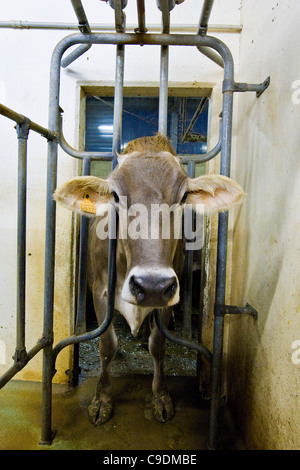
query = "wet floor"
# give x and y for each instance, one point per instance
(132, 426)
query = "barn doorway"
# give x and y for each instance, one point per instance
(187, 130)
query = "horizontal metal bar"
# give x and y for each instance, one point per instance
(145, 39)
(259, 88)
(109, 156)
(181, 341)
(153, 28)
(221, 310)
(20, 119)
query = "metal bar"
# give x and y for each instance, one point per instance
(108, 156)
(205, 14)
(141, 17)
(47, 435)
(118, 102)
(75, 339)
(164, 70)
(221, 310)
(154, 28)
(19, 365)
(120, 17)
(20, 119)
(120, 20)
(104, 156)
(182, 342)
(259, 88)
(212, 55)
(207, 156)
(188, 276)
(165, 13)
(221, 271)
(202, 30)
(163, 91)
(79, 51)
(22, 133)
(81, 16)
(144, 39)
(84, 28)
(54, 124)
(80, 326)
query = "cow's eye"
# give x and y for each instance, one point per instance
(183, 199)
(116, 197)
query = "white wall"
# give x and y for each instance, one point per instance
(24, 82)
(264, 378)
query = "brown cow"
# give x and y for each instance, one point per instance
(148, 268)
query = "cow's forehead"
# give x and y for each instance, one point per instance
(149, 174)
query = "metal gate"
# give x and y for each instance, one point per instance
(220, 54)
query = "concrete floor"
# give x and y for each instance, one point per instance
(132, 426)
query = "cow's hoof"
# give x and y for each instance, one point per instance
(163, 409)
(99, 411)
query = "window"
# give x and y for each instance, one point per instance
(187, 125)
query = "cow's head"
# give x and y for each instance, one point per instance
(146, 177)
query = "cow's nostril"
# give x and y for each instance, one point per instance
(170, 289)
(136, 288)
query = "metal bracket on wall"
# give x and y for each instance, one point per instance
(221, 310)
(231, 85)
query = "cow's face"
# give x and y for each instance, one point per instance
(146, 188)
(142, 188)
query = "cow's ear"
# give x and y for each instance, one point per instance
(85, 195)
(211, 193)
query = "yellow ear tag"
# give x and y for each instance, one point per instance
(87, 205)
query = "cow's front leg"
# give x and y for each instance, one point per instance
(162, 403)
(100, 409)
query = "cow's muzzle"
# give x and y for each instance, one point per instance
(152, 288)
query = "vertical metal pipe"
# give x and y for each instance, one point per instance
(188, 277)
(220, 275)
(54, 119)
(80, 326)
(118, 102)
(141, 16)
(163, 91)
(46, 437)
(22, 133)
